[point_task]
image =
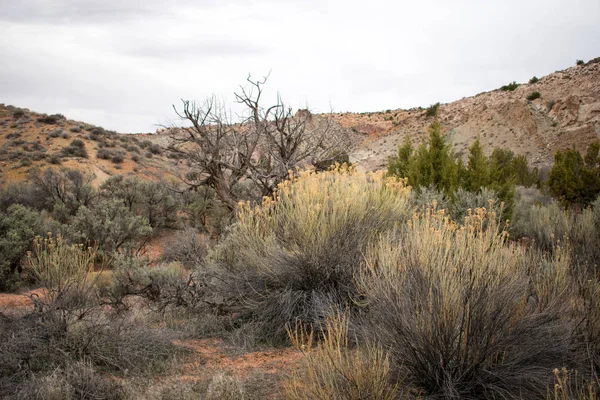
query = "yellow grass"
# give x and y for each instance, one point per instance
(332, 369)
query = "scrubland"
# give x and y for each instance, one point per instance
(381, 293)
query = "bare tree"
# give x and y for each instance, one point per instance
(218, 152)
(286, 139)
(262, 148)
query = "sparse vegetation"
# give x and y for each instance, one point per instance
(432, 110)
(56, 133)
(155, 149)
(575, 179)
(478, 281)
(510, 87)
(75, 149)
(54, 159)
(579, 62)
(51, 119)
(534, 95)
(533, 80)
(18, 114)
(118, 158)
(104, 154)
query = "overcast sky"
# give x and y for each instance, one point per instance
(122, 64)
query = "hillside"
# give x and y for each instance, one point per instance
(32, 140)
(566, 114)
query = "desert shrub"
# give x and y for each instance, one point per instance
(546, 226)
(429, 196)
(534, 95)
(155, 149)
(38, 155)
(510, 87)
(133, 148)
(432, 110)
(35, 346)
(56, 133)
(135, 158)
(584, 237)
(78, 380)
(166, 286)
(292, 258)
(51, 119)
(533, 80)
(77, 143)
(75, 129)
(187, 247)
(75, 149)
(25, 348)
(112, 225)
(334, 369)
(98, 131)
(60, 191)
(148, 154)
(18, 113)
(589, 328)
(14, 135)
(121, 344)
(63, 270)
(550, 225)
(38, 341)
(145, 143)
(463, 314)
(152, 200)
(579, 62)
(26, 162)
(71, 321)
(117, 158)
(465, 201)
(18, 226)
(18, 193)
(201, 209)
(104, 154)
(225, 386)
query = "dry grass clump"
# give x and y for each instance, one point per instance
(334, 368)
(79, 380)
(459, 313)
(187, 247)
(293, 258)
(549, 226)
(41, 351)
(544, 225)
(569, 385)
(64, 271)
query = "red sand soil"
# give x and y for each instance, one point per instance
(209, 358)
(16, 302)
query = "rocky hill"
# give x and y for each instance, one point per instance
(32, 140)
(566, 113)
(536, 119)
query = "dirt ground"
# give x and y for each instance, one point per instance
(207, 358)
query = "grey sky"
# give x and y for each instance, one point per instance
(121, 64)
